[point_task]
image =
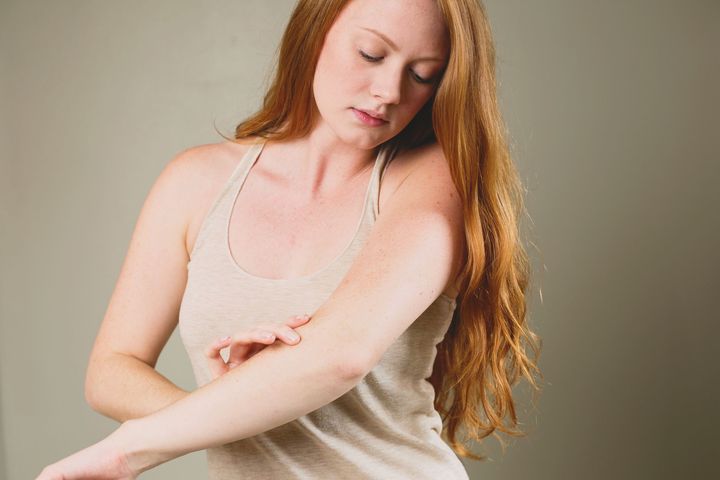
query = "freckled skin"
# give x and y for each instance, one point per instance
(344, 78)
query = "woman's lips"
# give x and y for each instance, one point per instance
(368, 119)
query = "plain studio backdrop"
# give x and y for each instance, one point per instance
(612, 107)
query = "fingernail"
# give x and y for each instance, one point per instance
(293, 335)
(224, 339)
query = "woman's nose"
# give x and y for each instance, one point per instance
(387, 85)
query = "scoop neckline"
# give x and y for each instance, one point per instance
(256, 150)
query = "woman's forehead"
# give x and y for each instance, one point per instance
(400, 13)
(400, 23)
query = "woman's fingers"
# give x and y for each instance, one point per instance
(297, 320)
(244, 345)
(286, 332)
(215, 361)
(257, 339)
(282, 332)
(247, 344)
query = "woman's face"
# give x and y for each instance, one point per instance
(393, 77)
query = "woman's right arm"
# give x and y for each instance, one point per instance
(130, 387)
(121, 381)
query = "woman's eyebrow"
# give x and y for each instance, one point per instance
(394, 46)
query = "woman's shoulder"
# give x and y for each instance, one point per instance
(428, 157)
(206, 164)
(199, 174)
(223, 150)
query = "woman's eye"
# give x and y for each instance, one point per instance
(423, 80)
(369, 58)
(417, 78)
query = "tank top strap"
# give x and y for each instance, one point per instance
(213, 225)
(385, 155)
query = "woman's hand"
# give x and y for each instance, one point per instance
(105, 460)
(245, 344)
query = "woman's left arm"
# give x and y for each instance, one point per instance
(411, 254)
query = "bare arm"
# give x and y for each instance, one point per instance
(121, 381)
(409, 257)
(130, 388)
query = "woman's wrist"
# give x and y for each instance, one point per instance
(139, 457)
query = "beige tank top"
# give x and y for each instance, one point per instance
(386, 427)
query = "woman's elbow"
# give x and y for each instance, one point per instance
(90, 389)
(354, 365)
(351, 370)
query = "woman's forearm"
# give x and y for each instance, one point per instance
(124, 388)
(275, 386)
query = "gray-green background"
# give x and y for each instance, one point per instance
(612, 106)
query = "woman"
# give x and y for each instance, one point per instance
(367, 93)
